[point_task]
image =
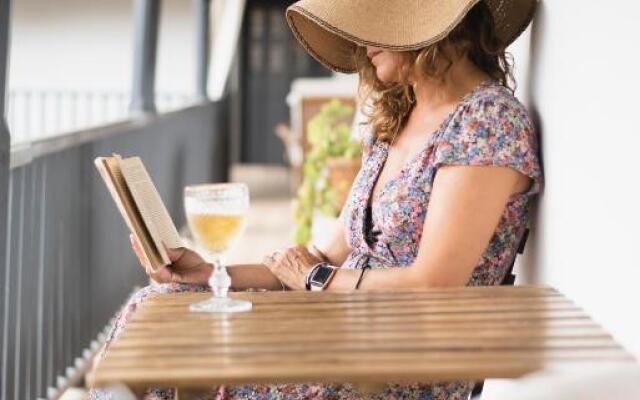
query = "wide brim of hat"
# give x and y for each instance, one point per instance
(331, 30)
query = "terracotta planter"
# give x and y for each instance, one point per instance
(341, 173)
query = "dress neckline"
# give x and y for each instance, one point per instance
(384, 146)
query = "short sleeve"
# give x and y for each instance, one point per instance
(368, 139)
(492, 130)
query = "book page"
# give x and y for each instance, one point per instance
(155, 215)
(109, 169)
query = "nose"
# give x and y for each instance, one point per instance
(372, 51)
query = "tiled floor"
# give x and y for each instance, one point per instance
(269, 226)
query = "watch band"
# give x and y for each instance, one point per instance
(307, 283)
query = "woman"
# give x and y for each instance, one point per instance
(448, 173)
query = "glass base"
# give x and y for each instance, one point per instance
(221, 305)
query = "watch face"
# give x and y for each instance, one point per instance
(322, 274)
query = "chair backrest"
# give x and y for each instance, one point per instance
(508, 280)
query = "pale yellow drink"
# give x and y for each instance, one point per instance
(215, 232)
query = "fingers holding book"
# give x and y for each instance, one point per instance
(186, 266)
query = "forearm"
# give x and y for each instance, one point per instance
(386, 279)
(336, 250)
(330, 254)
(252, 276)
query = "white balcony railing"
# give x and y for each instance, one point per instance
(35, 114)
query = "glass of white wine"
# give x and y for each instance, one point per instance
(216, 216)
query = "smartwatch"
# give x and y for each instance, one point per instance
(319, 276)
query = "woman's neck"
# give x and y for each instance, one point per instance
(461, 78)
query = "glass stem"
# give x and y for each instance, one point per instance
(220, 280)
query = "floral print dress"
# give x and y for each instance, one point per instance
(488, 127)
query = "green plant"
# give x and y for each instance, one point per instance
(329, 136)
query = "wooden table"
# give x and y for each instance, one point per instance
(365, 338)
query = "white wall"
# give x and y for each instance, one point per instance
(583, 87)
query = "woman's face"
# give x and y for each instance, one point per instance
(388, 64)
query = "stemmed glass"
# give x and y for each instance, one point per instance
(216, 215)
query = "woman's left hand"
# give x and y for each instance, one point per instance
(291, 266)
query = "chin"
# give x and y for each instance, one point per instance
(384, 75)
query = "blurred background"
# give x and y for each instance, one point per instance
(218, 90)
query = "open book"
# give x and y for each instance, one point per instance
(140, 205)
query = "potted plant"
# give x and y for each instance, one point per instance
(330, 165)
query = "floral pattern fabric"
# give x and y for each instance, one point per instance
(488, 127)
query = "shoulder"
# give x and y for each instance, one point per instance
(491, 115)
(491, 110)
(490, 127)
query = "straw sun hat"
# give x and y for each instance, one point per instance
(331, 30)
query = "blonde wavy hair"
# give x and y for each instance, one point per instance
(391, 103)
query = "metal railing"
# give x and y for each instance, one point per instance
(34, 114)
(64, 264)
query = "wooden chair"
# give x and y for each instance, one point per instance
(508, 280)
